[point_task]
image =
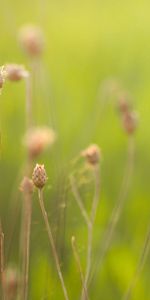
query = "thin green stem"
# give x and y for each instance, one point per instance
(2, 284)
(27, 200)
(89, 220)
(77, 258)
(91, 225)
(26, 242)
(143, 256)
(51, 240)
(109, 233)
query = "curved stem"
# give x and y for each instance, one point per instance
(109, 233)
(76, 255)
(89, 220)
(91, 225)
(79, 201)
(140, 265)
(51, 240)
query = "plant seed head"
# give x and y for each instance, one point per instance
(92, 154)
(31, 40)
(38, 139)
(39, 176)
(15, 72)
(123, 105)
(130, 121)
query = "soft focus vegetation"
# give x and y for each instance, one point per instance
(90, 46)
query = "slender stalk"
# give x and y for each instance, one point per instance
(2, 285)
(140, 266)
(88, 220)
(91, 227)
(109, 233)
(51, 240)
(27, 203)
(28, 101)
(79, 201)
(26, 242)
(77, 258)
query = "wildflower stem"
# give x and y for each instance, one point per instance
(2, 287)
(51, 240)
(109, 233)
(143, 256)
(27, 205)
(91, 225)
(88, 220)
(77, 258)
(79, 201)
(26, 242)
(28, 102)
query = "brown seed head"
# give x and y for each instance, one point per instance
(92, 154)
(31, 39)
(38, 139)
(39, 176)
(123, 105)
(130, 121)
(15, 72)
(26, 185)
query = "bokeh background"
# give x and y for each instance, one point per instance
(90, 47)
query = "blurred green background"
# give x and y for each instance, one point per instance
(88, 46)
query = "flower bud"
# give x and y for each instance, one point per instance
(31, 39)
(39, 176)
(123, 105)
(38, 139)
(92, 154)
(129, 121)
(15, 72)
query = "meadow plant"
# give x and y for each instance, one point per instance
(39, 179)
(92, 157)
(36, 140)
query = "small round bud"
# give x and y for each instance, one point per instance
(123, 105)
(39, 176)
(15, 72)
(26, 185)
(92, 154)
(31, 39)
(129, 121)
(38, 139)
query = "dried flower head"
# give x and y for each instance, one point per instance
(92, 154)
(130, 120)
(39, 176)
(15, 72)
(123, 104)
(2, 76)
(31, 39)
(26, 185)
(38, 139)
(11, 282)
